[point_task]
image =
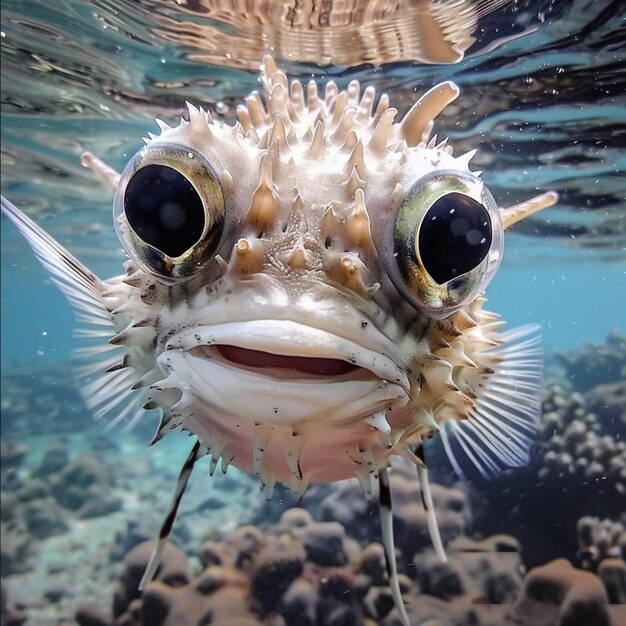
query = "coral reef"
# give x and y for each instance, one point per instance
(557, 593)
(602, 549)
(579, 463)
(599, 539)
(12, 613)
(301, 572)
(40, 503)
(594, 364)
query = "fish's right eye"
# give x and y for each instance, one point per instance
(164, 209)
(169, 211)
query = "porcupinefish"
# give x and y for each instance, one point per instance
(303, 294)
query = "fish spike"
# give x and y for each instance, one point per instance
(343, 125)
(353, 91)
(256, 109)
(264, 204)
(382, 106)
(104, 172)
(415, 123)
(312, 99)
(358, 223)
(340, 104)
(330, 93)
(297, 96)
(330, 221)
(292, 455)
(382, 133)
(192, 110)
(317, 147)
(347, 269)
(365, 480)
(354, 182)
(243, 115)
(259, 448)
(518, 212)
(279, 132)
(299, 487)
(268, 70)
(366, 105)
(379, 421)
(357, 159)
(249, 256)
(267, 486)
(463, 161)
(277, 101)
(163, 126)
(350, 142)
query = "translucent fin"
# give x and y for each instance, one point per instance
(105, 390)
(81, 286)
(501, 427)
(386, 521)
(168, 522)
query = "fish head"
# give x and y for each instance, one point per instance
(305, 286)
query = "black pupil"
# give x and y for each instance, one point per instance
(164, 209)
(454, 237)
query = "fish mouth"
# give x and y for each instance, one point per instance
(285, 372)
(286, 349)
(298, 365)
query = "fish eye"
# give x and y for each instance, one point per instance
(454, 237)
(169, 210)
(164, 209)
(447, 242)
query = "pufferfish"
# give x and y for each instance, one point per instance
(303, 294)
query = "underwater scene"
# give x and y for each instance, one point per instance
(313, 313)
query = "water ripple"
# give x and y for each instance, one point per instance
(542, 88)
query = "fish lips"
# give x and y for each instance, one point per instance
(276, 393)
(293, 341)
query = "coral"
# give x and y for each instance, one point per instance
(609, 400)
(598, 540)
(12, 454)
(172, 571)
(40, 502)
(602, 549)
(16, 545)
(594, 364)
(44, 518)
(12, 613)
(558, 593)
(579, 462)
(84, 486)
(573, 442)
(303, 572)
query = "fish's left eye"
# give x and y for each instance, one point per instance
(169, 211)
(447, 242)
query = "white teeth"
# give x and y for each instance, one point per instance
(379, 421)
